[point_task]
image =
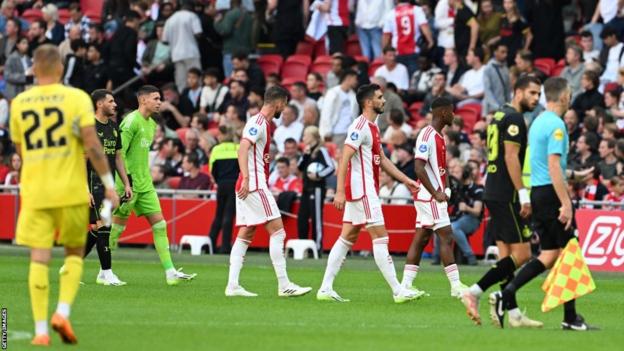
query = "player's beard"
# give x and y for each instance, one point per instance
(379, 110)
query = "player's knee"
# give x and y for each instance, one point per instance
(42, 256)
(74, 251)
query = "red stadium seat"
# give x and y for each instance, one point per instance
(63, 16)
(373, 67)
(546, 69)
(361, 59)
(319, 48)
(305, 47)
(331, 149)
(469, 116)
(474, 107)
(556, 72)
(270, 64)
(174, 182)
(414, 109)
(322, 65)
(545, 64)
(32, 15)
(352, 48)
(287, 82)
(182, 134)
(296, 67)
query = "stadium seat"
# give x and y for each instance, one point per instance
(373, 66)
(331, 148)
(299, 248)
(545, 64)
(174, 182)
(64, 16)
(319, 48)
(182, 134)
(93, 9)
(414, 109)
(32, 15)
(270, 64)
(474, 107)
(288, 82)
(352, 48)
(305, 47)
(361, 59)
(556, 71)
(196, 242)
(469, 116)
(546, 69)
(322, 65)
(296, 67)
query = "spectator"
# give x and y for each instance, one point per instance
(314, 185)
(454, 69)
(18, 69)
(174, 153)
(470, 88)
(237, 96)
(393, 102)
(594, 190)
(392, 192)
(146, 23)
(123, 50)
(193, 179)
(586, 152)
(444, 19)
(65, 46)
(405, 160)
(339, 109)
(403, 27)
(36, 36)
(478, 140)
(289, 128)
(466, 28)
(369, 20)
(515, 33)
(422, 79)
(291, 149)
(299, 98)
(393, 71)
(13, 176)
(337, 17)
(333, 76)
(590, 96)
(190, 97)
(192, 146)
(156, 60)
(75, 65)
(213, 93)
(223, 166)
(235, 118)
(574, 69)
(240, 61)
(9, 40)
(181, 32)
(587, 44)
(4, 120)
(289, 19)
(496, 84)
(170, 108)
(612, 101)
(397, 122)
(546, 17)
(470, 211)
(489, 23)
(96, 71)
(438, 89)
(54, 30)
(609, 166)
(616, 195)
(77, 18)
(310, 116)
(572, 126)
(613, 61)
(158, 177)
(8, 13)
(286, 181)
(313, 85)
(235, 27)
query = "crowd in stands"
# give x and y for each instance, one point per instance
(213, 60)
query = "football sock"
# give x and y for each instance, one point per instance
(452, 273)
(409, 274)
(531, 270)
(334, 262)
(162, 244)
(115, 233)
(276, 251)
(39, 287)
(512, 303)
(385, 264)
(569, 311)
(70, 281)
(103, 236)
(237, 256)
(91, 241)
(501, 270)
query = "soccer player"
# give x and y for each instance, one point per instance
(432, 197)
(358, 194)
(52, 127)
(137, 135)
(99, 234)
(254, 203)
(550, 202)
(507, 199)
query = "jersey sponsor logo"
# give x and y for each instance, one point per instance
(558, 134)
(442, 171)
(145, 143)
(513, 130)
(253, 131)
(355, 136)
(100, 134)
(115, 133)
(422, 148)
(377, 159)
(266, 158)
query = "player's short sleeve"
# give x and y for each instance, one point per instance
(419, 16)
(514, 129)
(422, 151)
(556, 139)
(355, 137)
(84, 116)
(253, 131)
(14, 124)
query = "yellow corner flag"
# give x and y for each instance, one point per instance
(569, 279)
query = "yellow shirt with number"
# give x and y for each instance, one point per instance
(46, 122)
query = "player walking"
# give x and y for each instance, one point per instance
(254, 203)
(52, 128)
(137, 134)
(358, 194)
(431, 199)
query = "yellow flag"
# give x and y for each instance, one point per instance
(569, 279)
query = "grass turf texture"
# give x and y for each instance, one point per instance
(148, 314)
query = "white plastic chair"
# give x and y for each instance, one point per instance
(196, 242)
(299, 248)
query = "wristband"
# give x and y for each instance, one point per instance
(108, 181)
(523, 195)
(447, 191)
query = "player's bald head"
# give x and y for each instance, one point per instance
(47, 62)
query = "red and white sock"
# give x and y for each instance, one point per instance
(409, 274)
(335, 260)
(452, 273)
(385, 264)
(237, 256)
(276, 251)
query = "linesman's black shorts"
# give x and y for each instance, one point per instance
(97, 191)
(546, 204)
(506, 223)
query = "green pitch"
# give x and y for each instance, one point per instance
(149, 315)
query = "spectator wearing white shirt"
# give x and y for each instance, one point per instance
(393, 71)
(470, 88)
(444, 23)
(299, 98)
(397, 122)
(614, 58)
(393, 192)
(339, 109)
(587, 44)
(213, 93)
(369, 18)
(290, 127)
(78, 19)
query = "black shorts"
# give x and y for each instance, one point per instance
(546, 204)
(97, 191)
(506, 223)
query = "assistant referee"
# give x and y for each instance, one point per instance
(553, 218)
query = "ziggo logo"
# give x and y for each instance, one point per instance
(604, 242)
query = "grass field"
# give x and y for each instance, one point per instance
(148, 315)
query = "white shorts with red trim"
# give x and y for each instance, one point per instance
(366, 210)
(431, 214)
(258, 208)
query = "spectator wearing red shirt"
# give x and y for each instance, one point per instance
(286, 181)
(13, 176)
(616, 194)
(193, 179)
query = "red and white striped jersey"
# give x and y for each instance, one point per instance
(338, 13)
(363, 171)
(257, 132)
(431, 148)
(291, 183)
(403, 23)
